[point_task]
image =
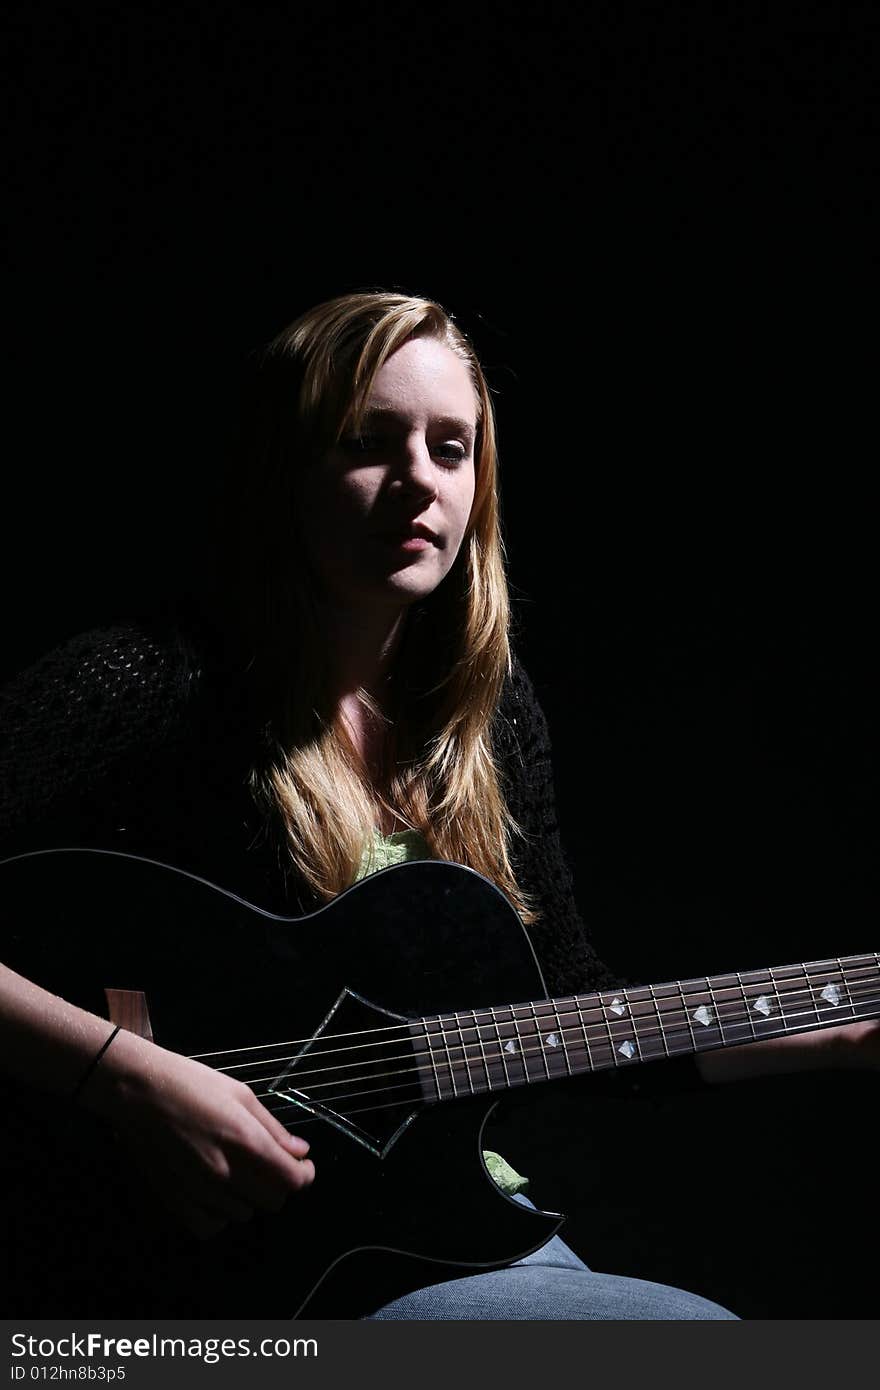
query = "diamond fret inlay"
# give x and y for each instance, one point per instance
(627, 1049)
(703, 1015)
(762, 1006)
(832, 994)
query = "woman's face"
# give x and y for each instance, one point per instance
(385, 512)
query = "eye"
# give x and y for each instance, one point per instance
(361, 443)
(452, 453)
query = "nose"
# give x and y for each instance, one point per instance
(416, 471)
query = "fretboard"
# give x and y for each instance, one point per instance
(493, 1049)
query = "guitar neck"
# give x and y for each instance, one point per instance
(483, 1050)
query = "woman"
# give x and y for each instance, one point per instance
(361, 707)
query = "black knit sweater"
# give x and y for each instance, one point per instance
(133, 737)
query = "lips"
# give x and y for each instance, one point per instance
(413, 531)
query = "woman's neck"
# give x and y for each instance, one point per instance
(362, 646)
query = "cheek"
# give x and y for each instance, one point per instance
(333, 505)
(465, 501)
(334, 523)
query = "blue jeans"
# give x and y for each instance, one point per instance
(552, 1284)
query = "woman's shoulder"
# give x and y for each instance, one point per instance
(520, 724)
(127, 660)
(87, 706)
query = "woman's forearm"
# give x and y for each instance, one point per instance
(852, 1045)
(46, 1042)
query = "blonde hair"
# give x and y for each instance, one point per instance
(439, 777)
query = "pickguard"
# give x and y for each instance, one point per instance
(352, 1071)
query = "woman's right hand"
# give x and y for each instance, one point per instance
(200, 1139)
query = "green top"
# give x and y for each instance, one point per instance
(400, 848)
(386, 850)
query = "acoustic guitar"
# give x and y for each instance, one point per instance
(375, 1028)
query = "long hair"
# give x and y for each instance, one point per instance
(311, 385)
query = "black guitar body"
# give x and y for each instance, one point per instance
(82, 1238)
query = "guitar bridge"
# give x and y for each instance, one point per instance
(361, 1079)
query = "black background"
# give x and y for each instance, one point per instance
(661, 241)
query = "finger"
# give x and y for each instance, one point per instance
(291, 1142)
(270, 1191)
(282, 1167)
(270, 1175)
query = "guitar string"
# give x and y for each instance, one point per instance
(304, 1118)
(566, 1004)
(467, 1053)
(416, 1090)
(558, 1022)
(464, 1063)
(684, 988)
(333, 1102)
(310, 1119)
(469, 1047)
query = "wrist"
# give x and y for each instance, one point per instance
(118, 1073)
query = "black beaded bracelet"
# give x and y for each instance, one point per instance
(93, 1063)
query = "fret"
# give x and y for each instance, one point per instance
(434, 1064)
(762, 1004)
(562, 1038)
(557, 1051)
(795, 1002)
(825, 994)
(812, 994)
(716, 1010)
(529, 1050)
(863, 987)
(726, 995)
(846, 984)
(542, 1047)
(517, 1039)
(661, 1029)
(622, 1051)
(583, 1027)
(870, 1002)
(465, 1060)
(666, 1000)
(490, 1040)
(449, 1056)
(514, 1049)
(621, 1028)
(644, 1014)
(844, 980)
(456, 1049)
(745, 1005)
(542, 1040)
(634, 1029)
(426, 1046)
(484, 1058)
(684, 1009)
(701, 1014)
(449, 1066)
(780, 1009)
(430, 1051)
(458, 1068)
(501, 1055)
(508, 1041)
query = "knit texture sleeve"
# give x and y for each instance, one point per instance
(75, 718)
(522, 748)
